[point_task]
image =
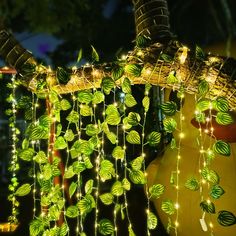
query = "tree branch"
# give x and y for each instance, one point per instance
(219, 72)
(13, 53)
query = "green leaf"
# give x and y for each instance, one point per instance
(112, 137)
(107, 198)
(69, 135)
(146, 103)
(69, 173)
(25, 144)
(36, 227)
(26, 154)
(156, 190)
(86, 204)
(203, 88)
(126, 184)
(45, 121)
(86, 147)
(95, 141)
(72, 188)
(210, 175)
(92, 129)
(130, 100)
(224, 118)
(73, 117)
(226, 218)
(105, 227)
(222, 148)
(216, 192)
(137, 177)
(62, 75)
(88, 164)
(221, 104)
(126, 86)
(98, 97)
(107, 85)
(47, 172)
(59, 129)
(203, 104)
(154, 138)
(78, 167)
(131, 232)
(200, 117)
(173, 143)
(168, 207)
(133, 118)
(133, 69)
(151, 221)
(208, 207)
(118, 152)
(147, 88)
(41, 157)
(65, 104)
(85, 110)
(199, 53)
(89, 186)
(169, 125)
(133, 137)
(85, 96)
(126, 125)
(169, 108)
(60, 143)
(137, 163)
(38, 132)
(72, 211)
(117, 72)
(95, 56)
(80, 54)
(117, 189)
(111, 109)
(64, 230)
(23, 190)
(171, 79)
(166, 57)
(113, 118)
(107, 170)
(142, 41)
(192, 184)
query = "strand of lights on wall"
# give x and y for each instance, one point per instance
(33, 144)
(144, 166)
(203, 132)
(97, 164)
(14, 166)
(125, 164)
(116, 165)
(79, 128)
(181, 136)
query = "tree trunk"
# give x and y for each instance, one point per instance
(152, 19)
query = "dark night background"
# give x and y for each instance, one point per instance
(55, 31)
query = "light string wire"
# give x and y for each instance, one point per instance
(14, 165)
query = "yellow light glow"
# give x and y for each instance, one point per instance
(140, 53)
(177, 205)
(183, 56)
(176, 223)
(181, 135)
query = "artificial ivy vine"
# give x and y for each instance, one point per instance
(78, 145)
